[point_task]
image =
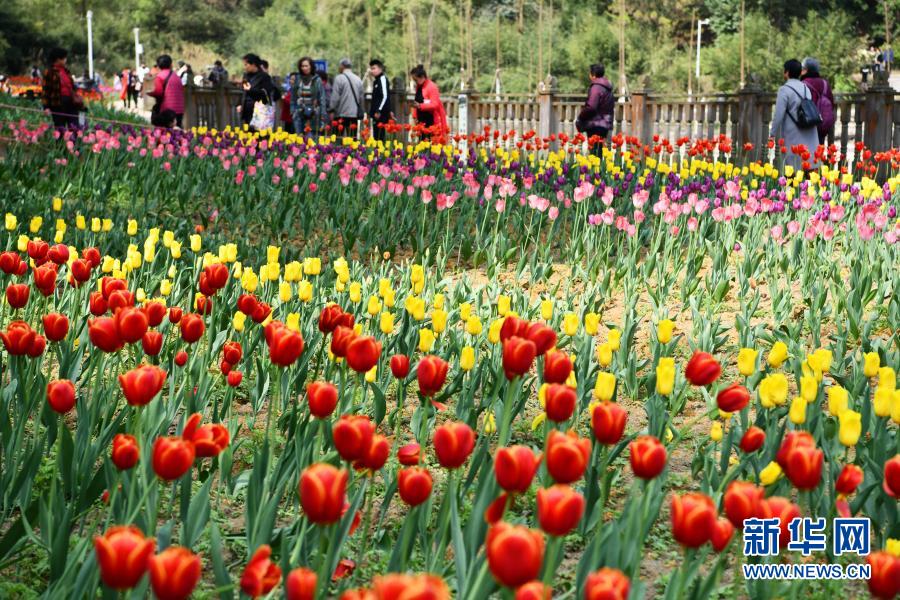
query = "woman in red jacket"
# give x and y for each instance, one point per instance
(428, 110)
(59, 96)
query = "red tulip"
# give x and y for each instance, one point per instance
(10, 261)
(340, 340)
(209, 440)
(125, 451)
(721, 534)
(234, 378)
(352, 436)
(648, 457)
(17, 294)
(400, 366)
(120, 299)
(375, 455)
(453, 443)
(693, 519)
(493, 514)
(172, 457)
(18, 338)
(181, 358)
(559, 509)
(409, 455)
(518, 356)
(192, 327)
(92, 255)
(363, 353)
(608, 423)
(261, 312)
(322, 493)
(753, 439)
(152, 343)
(61, 395)
(396, 586)
(246, 303)
(849, 479)
(232, 352)
(534, 590)
(97, 304)
(80, 269)
(56, 326)
(38, 249)
(38, 345)
(885, 579)
(513, 327)
(331, 317)
(514, 553)
(285, 345)
(567, 456)
(783, 509)
(557, 366)
(322, 398)
(108, 285)
(142, 384)
(104, 334)
(803, 466)
(217, 275)
(155, 311)
(225, 367)
(892, 475)
(702, 369)
(431, 373)
(174, 573)
(175, 314)
(606, 584)
(300, 584)
(59, 254)
(45, 278)
(261, 575)
(414, 485)
(131, 324)
(559, 402)
(123, 555)
(541, 336)
(742, 501)
(733, 398)
(514, 468)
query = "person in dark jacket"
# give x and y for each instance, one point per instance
(59, 96)
(821, 95)
(308, 105)
(381, 111)
(596, 116)
(258, 87)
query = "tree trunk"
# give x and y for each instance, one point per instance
(430, 35)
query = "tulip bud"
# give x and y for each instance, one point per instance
(414, 485)
(693, 519)
(647, 456)
(61, 395)
(261, 575)
(123, 555)
(174, 573)
(559, 509)
(514, 553)
(172, 457)
(323, 489)
(453, 443)
(514, 468)
(125, 452)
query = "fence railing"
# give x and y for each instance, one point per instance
(744, 116)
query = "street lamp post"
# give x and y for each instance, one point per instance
(700, 25)
(90, 34)
(137, 50)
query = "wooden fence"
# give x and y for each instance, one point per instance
(744, 116)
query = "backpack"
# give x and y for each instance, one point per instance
(605, 105)
(808, 115)
(826, 110)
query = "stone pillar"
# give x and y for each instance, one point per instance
(223, 110)
(190, 106)
(548, 122)
(641, 125)
(751, 128)
(467, 118)
(878, 111)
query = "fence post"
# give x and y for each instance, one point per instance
(190, 106)
(750, 125)
(641, 118)
(878, 111)
(548, 120)
(466, 117)
(223, 111)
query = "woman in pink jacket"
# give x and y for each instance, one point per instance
(428, 110)
(168, 91)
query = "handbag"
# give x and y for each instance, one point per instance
(808, 115)
(359, 109)
(154, 111)
(263, 115)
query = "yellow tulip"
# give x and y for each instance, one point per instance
(11, 221)
(770, 474)
(546, 309)
(882, 402)
(106, 225)
(490, 424)
(249, 280)
(175, 250)
(465, 311)
(809, 388)
(665, 376)
(165, 287)
(747, 361)
(778, 354)
(604, 354)
(797, 411)
(389, 298)
(196, 242)
(417, 274)
(355, 292)
(439, 320)
(132, 227)
(887, 378)
(591, 323)
(426, 340)
(386, 323)
(850, 427)
(773, 390)
(892, 547)
(57, 204)
(238, 321)
(494, 331)
(715, 432)
(503, 303)
(293, 321)
(538, 421)
(438, 301)
(871, 364)
(371, 374)
(605, 386)
(473, 325)
(284, 291)
(570, 324)
(304, 290)
(664, 330)
(614, 339)
(272, 253)
(373, 307)
(838, 400)
(383, 286)
(571, 381)
(312, 265)
(293, 271)
(80, 222)
(467, 358)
